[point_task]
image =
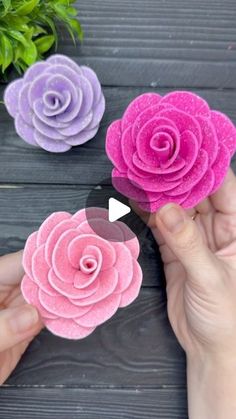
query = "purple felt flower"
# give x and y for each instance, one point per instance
(56, 105)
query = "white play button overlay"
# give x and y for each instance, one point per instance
(116, 210)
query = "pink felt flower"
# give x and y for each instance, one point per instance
(170, 149)
(77, 279)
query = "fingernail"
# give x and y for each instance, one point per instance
(172, 217)
(23, 319)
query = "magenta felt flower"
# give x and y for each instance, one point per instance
(77, 279)
(56, 105)
(170, 149)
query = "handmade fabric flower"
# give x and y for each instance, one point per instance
(56, 105)
(170, 149)
(76, 278)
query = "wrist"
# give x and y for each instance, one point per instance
(211, 386)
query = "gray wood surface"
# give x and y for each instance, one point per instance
(74, 403)
(132, 366)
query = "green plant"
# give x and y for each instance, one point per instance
(28, 29)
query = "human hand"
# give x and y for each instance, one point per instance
(200, 266)
(19, 322)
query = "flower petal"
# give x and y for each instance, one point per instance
(64, 223)
(184, 122)
(188, 152)
(113, 146)
(225, 130)
(147, 115)
(60, 261)
(144, 139)
(37, 88)
(108, 281)
(24, 130)
(46, 130)
(35, 70)
(98, 112)
(163, 200)
(131, 293)
(30, 248)
(188, 102)
(72, 110)
(23, 104)
(137, 106)
(131, 243)
(69, 290)
(82, 137)
(61, 306)
(100, 312)
(80, 242)
(11, 96)
(40, 270)
(209, 139)
(128, 148)
(193, 176)
(68, 328)
(105, 229)
(49, 224)
(220, 166)
(49, 121)
(59, 59)
(77, 125)
(177, 164)
(30, 293)
(95, 83)
(201, 190)
(123, 265)
(54, 146)
(90, 213)
(155, 183)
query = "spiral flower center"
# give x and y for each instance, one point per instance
(88, 264)
(52, 100)
(55, 103)
(163, 144)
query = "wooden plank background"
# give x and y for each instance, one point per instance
(132, 366)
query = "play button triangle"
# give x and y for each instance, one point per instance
(117, 209)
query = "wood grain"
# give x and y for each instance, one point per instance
(62, 403)
(136, 348)
(87, 164)
(160, 43)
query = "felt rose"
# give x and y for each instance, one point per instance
(77, 279)
(56, 105)
(170, 149)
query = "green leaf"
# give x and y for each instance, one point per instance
(6, 5)
(72, 11)
(6, 52)
(27, 7)
(61, 12)
(17, 23)
(38, 30)
(75, 25)
(44, 43)
(63, 2)
(49, 22)
(18, 36)
(30, 54)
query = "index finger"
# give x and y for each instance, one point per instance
(224, 200)
(11, 270)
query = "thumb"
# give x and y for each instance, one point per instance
(17, 324)
(184, 238)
